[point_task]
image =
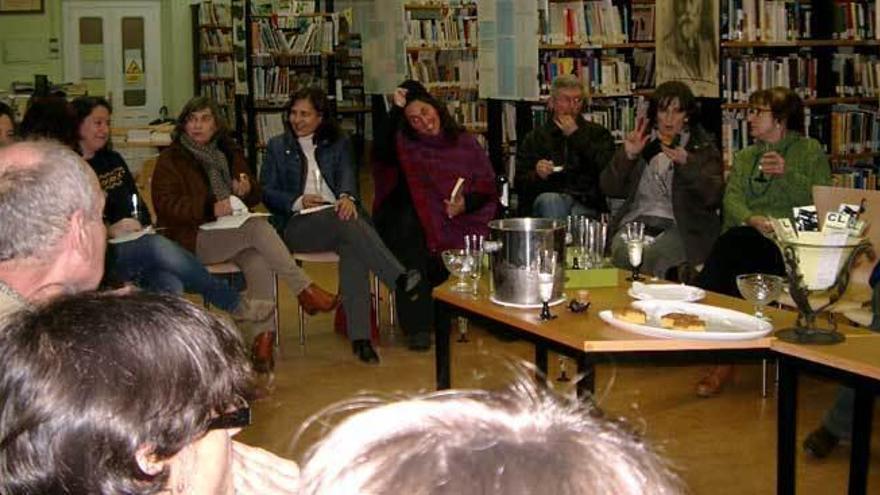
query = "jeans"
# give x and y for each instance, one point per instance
(559, 205)
(156, 263)
(838, 419)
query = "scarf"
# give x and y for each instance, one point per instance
(215, 164)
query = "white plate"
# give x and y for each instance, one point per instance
(666, 292)
(721, 323)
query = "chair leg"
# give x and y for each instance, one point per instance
(374, 300)
(277, 314)
(302, 327)
(764, 372)
(392, 308)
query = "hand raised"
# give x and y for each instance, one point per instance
(637, 139)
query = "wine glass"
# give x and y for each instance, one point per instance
(546, 280)
(634, 236)
(760, 289)
(460, 263)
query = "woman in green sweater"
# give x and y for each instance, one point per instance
(768, 179)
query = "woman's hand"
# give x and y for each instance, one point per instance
(346, 209)
(123, 227)
(772, 163)
(678, 155)
(760, 223)
(312, 200)
(636, 140)
(223, 208)
(454, 207)
(256, 471)
(242, 186)
(399, 97)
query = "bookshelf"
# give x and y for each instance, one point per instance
(213, 55)
(441, 41)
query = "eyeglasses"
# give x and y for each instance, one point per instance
(758, 110)
(238, 418)
(574, 100)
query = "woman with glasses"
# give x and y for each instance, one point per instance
(768, 178)
(160, 388)
(671, 174)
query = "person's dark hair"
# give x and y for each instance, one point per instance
(328, 130)
(667, 93)
(785, 105)
(450, 128)
(413, 88)
(91, 380)
(199, 103)
(49, 117)
(83, 107)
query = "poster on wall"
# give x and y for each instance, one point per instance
(687, 43)
(383, 47)
(21, 6)
(508, 60)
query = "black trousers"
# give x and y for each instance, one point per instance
(739, 250)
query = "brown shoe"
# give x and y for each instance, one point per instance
(711, 384)
(314, 299)
(263, 352)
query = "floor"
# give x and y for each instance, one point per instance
(723, 445)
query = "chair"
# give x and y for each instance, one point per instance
(332, 257)
(226, 269)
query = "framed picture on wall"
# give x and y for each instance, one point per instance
(21, 6)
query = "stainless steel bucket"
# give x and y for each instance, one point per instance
(513, 256)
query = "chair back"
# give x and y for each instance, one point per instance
(828, 198)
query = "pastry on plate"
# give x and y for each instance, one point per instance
(631, 315)
(683, 321)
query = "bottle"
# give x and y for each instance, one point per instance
(503, 186)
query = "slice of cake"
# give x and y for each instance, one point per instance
(683, 321)
(631, 315)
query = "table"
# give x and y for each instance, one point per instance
(856, 363)
(583, 336)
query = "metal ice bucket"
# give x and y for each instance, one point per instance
(513, 247)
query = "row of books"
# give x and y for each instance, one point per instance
(471, 114)
(273, 85)
(215, 13)
(287, 59)
(443, 32)
(283, 7)
(269, 125)
(213, 41)
(603, 74)
(760, 20)
(859, 176)
(855, 20)
(311, 35)
(743, 75)
(580, 23)
(443, 69)
(210, 67)
(856, 74)
(854, 129)
(223, 92)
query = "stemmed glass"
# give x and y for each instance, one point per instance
(760, 289)
(546, 279)
(460, 263)
(634, 236)
(474, 245)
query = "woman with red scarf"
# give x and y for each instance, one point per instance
(433, 152)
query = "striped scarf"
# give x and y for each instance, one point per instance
(215, 164)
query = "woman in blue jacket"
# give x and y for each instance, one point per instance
(310, 185)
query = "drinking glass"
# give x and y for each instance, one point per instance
(634, 236)
(760, 289)
(460, 263)
(546, 280)
(477, 272)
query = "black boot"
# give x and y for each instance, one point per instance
(363, 349)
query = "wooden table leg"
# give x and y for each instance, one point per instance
(541, 361)
(442, 323)
(786, 430)
(863, 412)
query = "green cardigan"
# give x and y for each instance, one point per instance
(806, 165)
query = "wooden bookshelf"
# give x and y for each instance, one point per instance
(213, 56)
(799, 44)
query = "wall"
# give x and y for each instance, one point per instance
(34, 32)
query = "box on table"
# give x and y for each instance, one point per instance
(593, 277)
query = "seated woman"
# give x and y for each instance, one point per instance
(194, 182)
(434, 152)
(310, 166)
(671, 174)
(767, 180)
(7, 125)
(150, 261)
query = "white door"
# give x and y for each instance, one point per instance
(115, 49)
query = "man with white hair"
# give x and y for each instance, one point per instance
(52, 237)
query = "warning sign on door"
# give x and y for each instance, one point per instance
(134, 68)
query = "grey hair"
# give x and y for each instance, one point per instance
(518, 441)
(42, 184)
(566, 81)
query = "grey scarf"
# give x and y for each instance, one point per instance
(215, 164)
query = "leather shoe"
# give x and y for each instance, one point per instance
(314, 299)
(711, 384)
(363, 349)
(263, 352)
(820, 443)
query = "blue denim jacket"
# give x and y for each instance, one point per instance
(281, 175)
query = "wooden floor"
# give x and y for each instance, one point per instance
(724, 445)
